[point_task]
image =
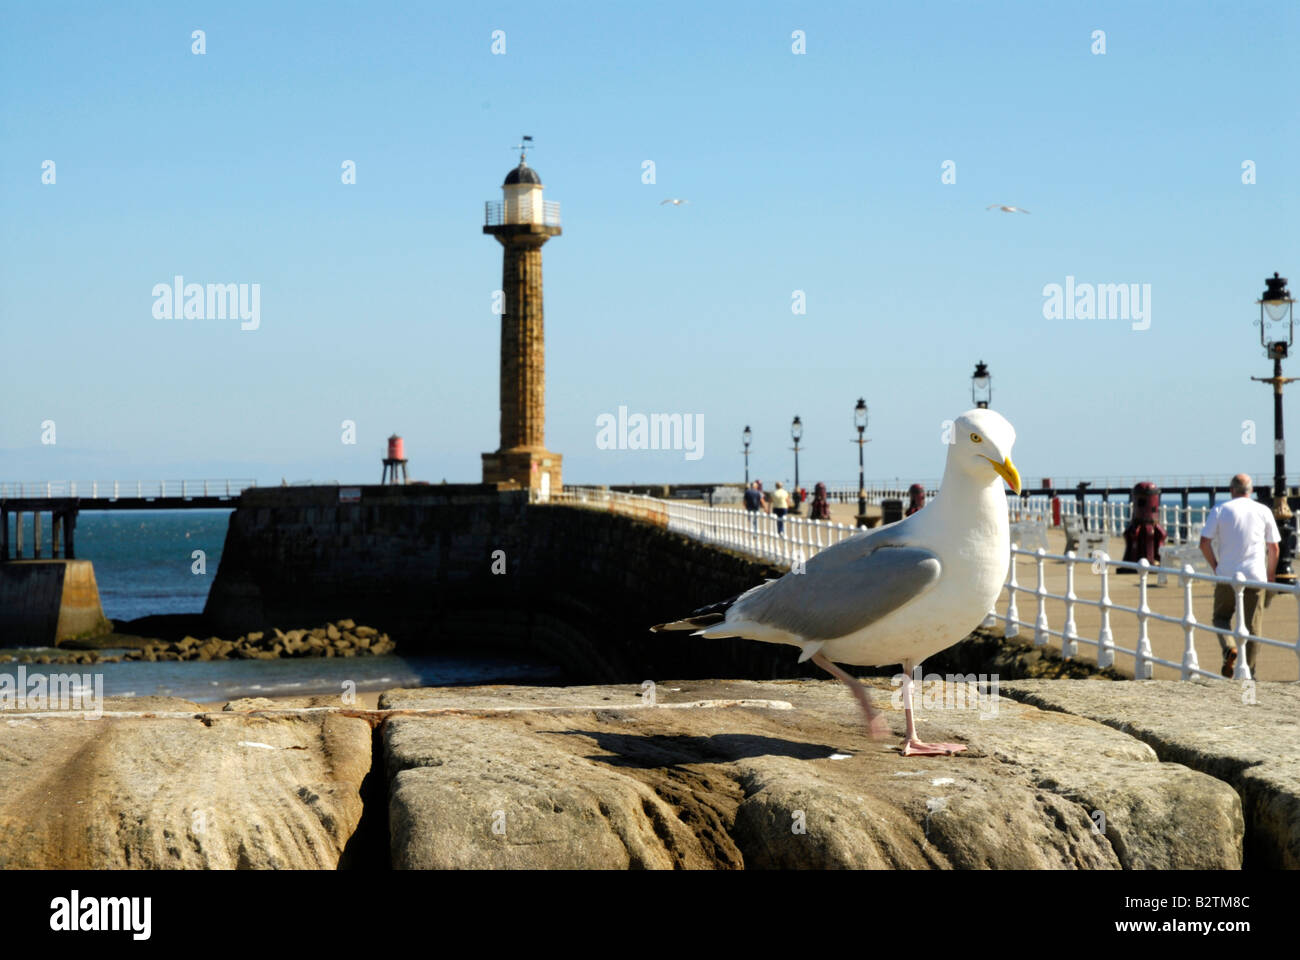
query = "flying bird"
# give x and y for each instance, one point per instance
(1005, 209)
(895, 594)
(674, 201)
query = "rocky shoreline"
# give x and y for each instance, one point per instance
(342, 638)
(702, 774)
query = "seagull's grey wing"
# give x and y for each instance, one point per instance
(849, 590)
(1021, 210)
(662, 202)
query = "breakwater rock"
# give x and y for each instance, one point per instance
(340, 639)
(1245, 735)
(591, 777)
(685, 774)
(160, 791)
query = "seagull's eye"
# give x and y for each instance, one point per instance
(976, 438)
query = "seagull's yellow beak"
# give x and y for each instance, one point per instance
(1007, 471)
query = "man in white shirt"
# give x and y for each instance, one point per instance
(1248, 544)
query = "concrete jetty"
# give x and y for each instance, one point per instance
(45, 601)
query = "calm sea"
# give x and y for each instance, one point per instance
(144, 564)
(144, 560)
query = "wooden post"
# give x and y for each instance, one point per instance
(36, 534)
(18, 535)
(56, 529)
(4, 535)
(69, 525)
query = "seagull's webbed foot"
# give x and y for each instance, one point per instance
(917, 748)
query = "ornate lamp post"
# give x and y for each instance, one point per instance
(796, 434)
(860, 421)
(981, 385)
(745, 438)
(1276, 334)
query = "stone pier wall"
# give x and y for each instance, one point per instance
(476, 568)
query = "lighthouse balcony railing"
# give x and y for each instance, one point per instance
(499, 214)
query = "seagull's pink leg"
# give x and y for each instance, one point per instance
(912, 747)
(875, 722)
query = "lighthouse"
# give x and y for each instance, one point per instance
(522, 221)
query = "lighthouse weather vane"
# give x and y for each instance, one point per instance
(525, 145)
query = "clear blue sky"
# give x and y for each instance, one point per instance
(819, 172)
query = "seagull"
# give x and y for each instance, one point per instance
(1005, 209)
(674, 201)
(898, 593)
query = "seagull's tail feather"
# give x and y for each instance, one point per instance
(698, 620)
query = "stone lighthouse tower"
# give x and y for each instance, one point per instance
(522, 222)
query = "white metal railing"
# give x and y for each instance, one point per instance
(875, 491)
(797, 538)
(1181, 524)
(1170, 484)
(763, 535)
(117, 489)
(1100, 565)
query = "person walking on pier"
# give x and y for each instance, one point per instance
(753, 502)
(915, 499)
(780, 504)
(1248, 544)
(821, 507)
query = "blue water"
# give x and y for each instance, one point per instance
(220, 680)
(144, 564)
(144, 560)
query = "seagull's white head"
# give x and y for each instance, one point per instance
(982, 442)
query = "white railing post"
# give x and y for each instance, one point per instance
(1040, 623)
(1105, 639)
(1295, 591)
(1190, 663)
(1142, 655)
(1070, 638)
(1242, 672)
(1013, 612)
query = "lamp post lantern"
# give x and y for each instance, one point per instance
(860, 421)
(745, 438)
(1276, 335)
(981, 385)
(796, 434)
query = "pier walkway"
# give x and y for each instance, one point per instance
(1105, 617)
(65, 499)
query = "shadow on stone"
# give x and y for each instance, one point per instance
(650, 752)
